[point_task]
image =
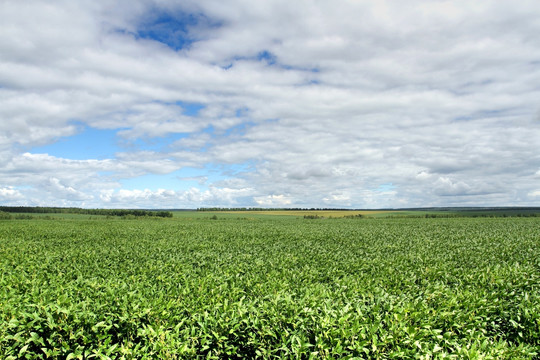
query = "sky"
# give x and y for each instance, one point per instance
(334, 104)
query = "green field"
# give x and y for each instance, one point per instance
(268, 286)
(321, 213)
(397, 213)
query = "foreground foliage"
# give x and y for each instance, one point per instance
(263, 288)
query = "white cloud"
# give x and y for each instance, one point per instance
(438, 98)
(191, 198)
(66, 192)
(273, 200)
(446, 187)
(338, 199)
(10, 194)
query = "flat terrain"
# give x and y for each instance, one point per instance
(261, 286)
(321, 213)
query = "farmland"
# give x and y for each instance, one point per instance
(262, 286)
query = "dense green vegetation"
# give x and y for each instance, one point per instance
(270, 287)
(443, 212)
(71, 210)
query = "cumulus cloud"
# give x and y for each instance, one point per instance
(66, 192)
(10, 194)
(273, 200)
(297, 104)
(191, 198)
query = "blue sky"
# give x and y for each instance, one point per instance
(88, 143)
(370, 104)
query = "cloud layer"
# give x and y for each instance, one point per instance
(359, 104)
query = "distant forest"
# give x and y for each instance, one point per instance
(431, 212)
(270, 209)
(72, 210)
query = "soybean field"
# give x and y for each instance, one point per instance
(270, 288)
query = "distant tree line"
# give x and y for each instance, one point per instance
(268, 209)
(72, 210)
(462, 215)
(315, 216)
